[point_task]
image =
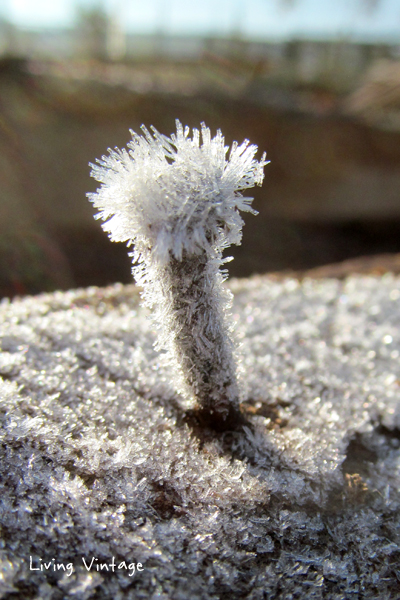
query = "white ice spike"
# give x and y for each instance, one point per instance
(176, 200)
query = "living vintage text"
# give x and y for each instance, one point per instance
(90, 564)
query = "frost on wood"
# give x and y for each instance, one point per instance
(177, 201)
(95, 459)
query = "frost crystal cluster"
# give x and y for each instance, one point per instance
(177, 201)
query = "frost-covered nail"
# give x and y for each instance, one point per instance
(176, 200)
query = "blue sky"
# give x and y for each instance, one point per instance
(262, 19)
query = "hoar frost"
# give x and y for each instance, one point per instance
(176, 200)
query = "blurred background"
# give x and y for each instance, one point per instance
(316, 83)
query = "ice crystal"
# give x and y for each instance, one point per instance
(177, 201)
